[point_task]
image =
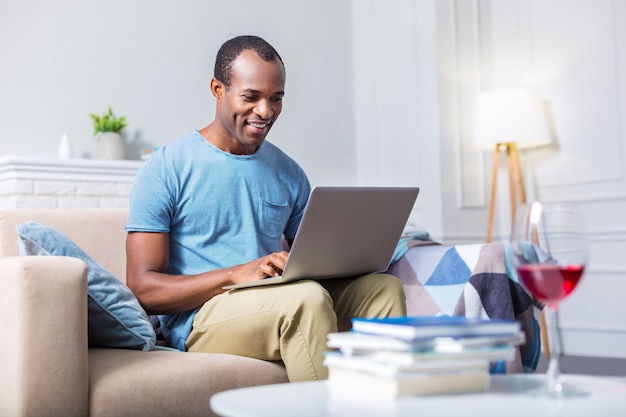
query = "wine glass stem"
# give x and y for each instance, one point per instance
(555, 383)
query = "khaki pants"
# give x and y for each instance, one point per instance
(290, 322)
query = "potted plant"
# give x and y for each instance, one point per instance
(108, 130)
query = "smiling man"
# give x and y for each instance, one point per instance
(209, 210)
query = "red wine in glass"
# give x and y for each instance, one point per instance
(550, 283)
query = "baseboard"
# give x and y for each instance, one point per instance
(586, 365)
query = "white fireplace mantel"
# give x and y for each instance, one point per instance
(30, 182)
(25, 167)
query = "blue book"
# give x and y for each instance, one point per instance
(426, 327)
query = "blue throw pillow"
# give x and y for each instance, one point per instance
(116, 319)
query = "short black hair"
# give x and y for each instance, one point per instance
(231, 49)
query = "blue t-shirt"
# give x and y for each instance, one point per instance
(219, 209)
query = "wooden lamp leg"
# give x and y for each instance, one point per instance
(543, 334)
(516, 181)
(519, 180)
(492, 199)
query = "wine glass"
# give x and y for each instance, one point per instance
(550, 254)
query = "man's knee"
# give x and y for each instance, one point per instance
(308, 296)
(392, 284)
(383, 284)
(389, 293)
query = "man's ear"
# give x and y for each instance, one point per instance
(217, 88)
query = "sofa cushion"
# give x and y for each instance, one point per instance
(116, 319)
(127, 383)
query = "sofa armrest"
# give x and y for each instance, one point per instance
(43, 347)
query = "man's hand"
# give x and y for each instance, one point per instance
(271, 265)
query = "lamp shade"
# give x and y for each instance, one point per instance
(509, 116)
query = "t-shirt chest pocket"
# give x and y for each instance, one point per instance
(273, 218)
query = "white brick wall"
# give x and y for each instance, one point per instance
(65, 183)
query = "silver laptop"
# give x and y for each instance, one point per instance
(345, 231)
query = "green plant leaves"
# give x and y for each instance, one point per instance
(107, 122)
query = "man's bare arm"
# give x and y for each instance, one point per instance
(161, 293)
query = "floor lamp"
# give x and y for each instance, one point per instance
(508, 120)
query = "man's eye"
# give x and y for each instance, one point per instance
(249, 97)
(277, 99)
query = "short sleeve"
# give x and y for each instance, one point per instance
(152, 197)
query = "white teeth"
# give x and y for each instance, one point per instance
(258, 125)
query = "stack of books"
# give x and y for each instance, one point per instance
(423, 355)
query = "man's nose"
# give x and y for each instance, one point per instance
(264, 109)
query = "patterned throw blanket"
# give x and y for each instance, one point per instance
(474, 280)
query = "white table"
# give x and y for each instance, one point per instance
(508, 396)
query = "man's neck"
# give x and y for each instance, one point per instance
(221, 140)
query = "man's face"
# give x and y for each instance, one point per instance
(248, 108)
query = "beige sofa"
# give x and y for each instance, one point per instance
(46, 367)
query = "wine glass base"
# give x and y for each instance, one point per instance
(557, 390)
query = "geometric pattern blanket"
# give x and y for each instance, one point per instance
(472, 280)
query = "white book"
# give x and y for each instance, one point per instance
(489, 355)
(422, 383)
(355, 342)
(394, 367)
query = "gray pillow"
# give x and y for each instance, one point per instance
(116, 319)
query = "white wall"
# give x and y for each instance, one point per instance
(152, 60)
(397, 101)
